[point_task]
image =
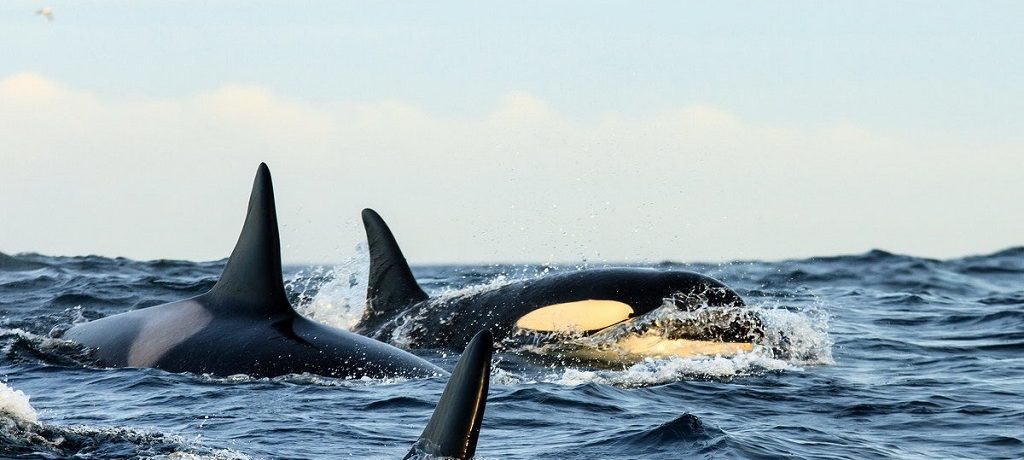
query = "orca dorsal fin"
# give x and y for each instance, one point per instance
(391, 284)
(455, 426)
(252, 280)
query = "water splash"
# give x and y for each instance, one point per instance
(18, 345)
(452, 294)
(336, 295)
(410, 326)
(302, 379)
(21, 434)
(653, 371)
(926, 366)
(799, 336)
(792, 338)
(14, 403)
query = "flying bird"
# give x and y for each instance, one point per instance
(46, 12)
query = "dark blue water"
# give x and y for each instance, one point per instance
(886, 356)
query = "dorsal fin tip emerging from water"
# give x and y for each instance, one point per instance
(252, 276)
(391, 284)
(454, 427)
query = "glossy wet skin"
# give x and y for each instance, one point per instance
(244, 324)
(550, 309)
(450, 323)
(187, 336)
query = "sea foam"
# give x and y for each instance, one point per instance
(14, 403)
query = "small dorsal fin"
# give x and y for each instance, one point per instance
(455, 426)
(391, 284)
(252, 278)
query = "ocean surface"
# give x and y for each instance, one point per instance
(879, 355)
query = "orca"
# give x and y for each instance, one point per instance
(455, 425)
(553, 308)
(452, 432)
(244, 324)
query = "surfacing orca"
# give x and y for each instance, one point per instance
(452, 431)
(455, 426)
(245, 324)
(553, 308)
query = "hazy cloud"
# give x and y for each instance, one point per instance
(151, 177)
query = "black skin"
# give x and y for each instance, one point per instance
(455, 426)
(253, 344)
(245, 324)
(451, 323)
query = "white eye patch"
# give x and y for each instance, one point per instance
(580, 316)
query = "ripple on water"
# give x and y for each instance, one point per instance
(876, 355)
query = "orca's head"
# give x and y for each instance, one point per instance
(698, 307)
(689, 291)
(607, 298)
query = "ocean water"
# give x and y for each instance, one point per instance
(876, 355)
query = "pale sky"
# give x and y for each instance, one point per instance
(515, 131)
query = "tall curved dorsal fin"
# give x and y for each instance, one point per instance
(252, 281)
(455, 426)
(391, 284)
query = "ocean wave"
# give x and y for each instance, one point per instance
(20, 346)
(921, 356)
(685, 428)
(23, 435)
